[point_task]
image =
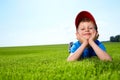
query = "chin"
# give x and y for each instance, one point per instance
(87, 37)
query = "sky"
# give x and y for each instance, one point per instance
(43, 22)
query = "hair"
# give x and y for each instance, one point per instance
(86, 20)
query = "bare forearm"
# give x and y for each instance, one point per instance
(102, 55)
(76, 55)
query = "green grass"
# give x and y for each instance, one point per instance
(49, 63)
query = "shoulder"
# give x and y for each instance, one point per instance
(75, 46)
(100, 44)
(97, 42)
(77, 43)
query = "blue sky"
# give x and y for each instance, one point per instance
(41, 22)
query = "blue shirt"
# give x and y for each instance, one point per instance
(88, 52)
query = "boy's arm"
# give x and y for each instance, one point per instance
(102, 55)
(76, 55)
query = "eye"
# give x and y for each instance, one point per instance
(90, 27)
(82, 29)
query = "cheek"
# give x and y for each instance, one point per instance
(80, 33)
(93, 31)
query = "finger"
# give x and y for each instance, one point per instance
(93, 35)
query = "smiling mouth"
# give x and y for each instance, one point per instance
(87, 34)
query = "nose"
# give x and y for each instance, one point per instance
(86, 29)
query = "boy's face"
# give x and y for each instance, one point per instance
(86, 29)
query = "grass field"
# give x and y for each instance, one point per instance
(49, 63)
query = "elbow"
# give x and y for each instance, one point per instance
(70, 59)
(109, 59)
(106, 59)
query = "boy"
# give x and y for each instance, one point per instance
(87, 44)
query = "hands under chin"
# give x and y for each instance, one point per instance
(92, 38)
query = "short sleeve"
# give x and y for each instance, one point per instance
(74, 47)
(101, 45)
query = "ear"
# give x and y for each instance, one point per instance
(97, 35)
(76, 32)
(77, 35)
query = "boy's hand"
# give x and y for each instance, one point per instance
(81, 39)
(94, 36)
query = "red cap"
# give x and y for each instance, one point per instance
(84, 14)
